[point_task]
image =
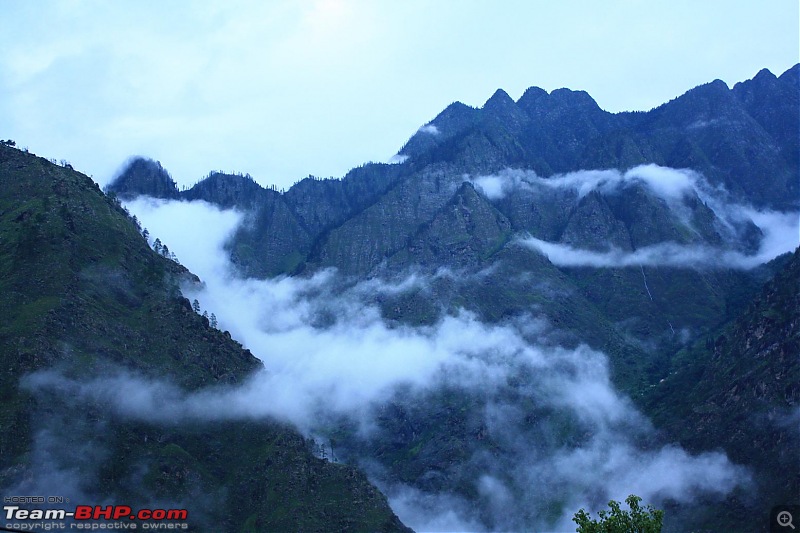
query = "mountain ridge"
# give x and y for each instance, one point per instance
(626, 233)
(86, 299)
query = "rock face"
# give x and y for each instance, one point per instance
(743, 139)
(740, 386)
(478, 184)
(428, 212)
(84, 300)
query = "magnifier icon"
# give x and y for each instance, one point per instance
(785, 519)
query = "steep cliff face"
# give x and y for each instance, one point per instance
(742, 139)
(465, 231)
(625, 232)
(384, 219)
(739, 387)
(85, 299)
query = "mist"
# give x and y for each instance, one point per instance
(561, 436)
(780, 232)
(667, 183)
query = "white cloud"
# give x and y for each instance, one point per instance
(667, 183)
(780, 231)
(430, 129)
(328, 354)
(780, 236)
(194, 231)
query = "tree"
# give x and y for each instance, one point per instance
(213, 320)
(637, 520)
(196, 306)
(157, 245)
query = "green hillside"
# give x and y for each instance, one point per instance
(82, 293)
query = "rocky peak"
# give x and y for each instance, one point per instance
(143, 177)
(227, 190)
(502, 108)
(573, 99)
(792, 77)
(454, 119)
(499, 100)
(531, 97)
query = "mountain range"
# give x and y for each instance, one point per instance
(84, 296)
(657, 239)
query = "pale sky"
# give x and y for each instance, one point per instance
(284, 89)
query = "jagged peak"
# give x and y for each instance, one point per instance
(569, 97)
(765, 73)
(456, 110)
(499, 98)
(536, 98)
(138, 163)
(219, 176)
(532, 94)
(143, 176)
(456, 107)
(792, 76)
(455, 117)
(713, 89)
(718, 85)
(503, 108)
(761, 81)
(228, 190)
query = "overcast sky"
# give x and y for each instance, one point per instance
(284, 89)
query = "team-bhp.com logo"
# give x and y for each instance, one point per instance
(93, 517)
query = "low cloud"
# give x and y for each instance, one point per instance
(780, 232)
(398, 159)
(667, 183)
(430, 129)
(561, 436)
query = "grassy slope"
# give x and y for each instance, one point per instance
(81, 291)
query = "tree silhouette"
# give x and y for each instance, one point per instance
(637, 520)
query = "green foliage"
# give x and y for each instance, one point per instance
(617, 520)
(81, 290)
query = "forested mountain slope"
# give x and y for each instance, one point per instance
(84, 297)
